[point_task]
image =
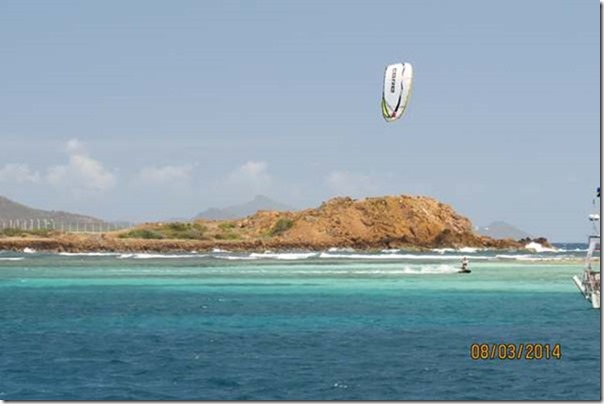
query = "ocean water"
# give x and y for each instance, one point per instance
(338, 324)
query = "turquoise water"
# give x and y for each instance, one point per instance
(304, 327)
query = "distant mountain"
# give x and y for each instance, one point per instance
(500, 230)
(10, 210)
(177, 220)
(260, 202)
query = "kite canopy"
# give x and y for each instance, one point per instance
(398, 79)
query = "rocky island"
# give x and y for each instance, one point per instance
(410, 222)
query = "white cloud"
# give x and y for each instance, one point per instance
(82, 172)
(167, 175)
(75, 146)
(252, 175)
(18, 173)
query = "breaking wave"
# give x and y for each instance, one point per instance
(341, 249)
(539, 248)
(431, 269)
(436, 256)
(142, 256)
(403, 270)
(529, 257)
(392, 256)
(90, 254)
(284, 256)
(463, 250)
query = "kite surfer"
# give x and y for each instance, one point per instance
(465, 266)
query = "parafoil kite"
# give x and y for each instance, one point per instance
(398, 80)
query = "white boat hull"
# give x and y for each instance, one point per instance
(579, 285)
(592, 296)
(589, 283)
(595, 300)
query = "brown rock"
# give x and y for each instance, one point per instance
(373, 223)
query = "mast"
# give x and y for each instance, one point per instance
(594, 218)
(589, 283)
(594, 239)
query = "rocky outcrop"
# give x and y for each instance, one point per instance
(412, 222)
(384, 222)
(540, 240)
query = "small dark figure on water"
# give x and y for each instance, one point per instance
(465, 266)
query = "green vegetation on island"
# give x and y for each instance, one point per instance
(176, 230)
(13, 232)
(282, 225)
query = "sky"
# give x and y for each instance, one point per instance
(147, 110)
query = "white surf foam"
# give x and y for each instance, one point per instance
(142, 256)
(528, 257)
(90, 254)
(267, 256)
(463, 250)
(538, 247)
(284, 256)
(403, 270)
(11, 258)
(234, 257)
(431, 269)
(393, 256)
(443, 250)
(28, 250)
(468, 250)
(341, 249)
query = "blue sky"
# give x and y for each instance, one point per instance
(145, 110)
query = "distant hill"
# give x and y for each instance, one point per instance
(499, 230)
(10, 210)
(177, 219)
(260, 202)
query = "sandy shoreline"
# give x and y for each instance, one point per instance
(100, 243)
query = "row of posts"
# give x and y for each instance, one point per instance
(70, 227)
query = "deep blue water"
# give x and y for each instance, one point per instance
(102, 328)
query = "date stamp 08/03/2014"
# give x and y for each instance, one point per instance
(503, 351)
